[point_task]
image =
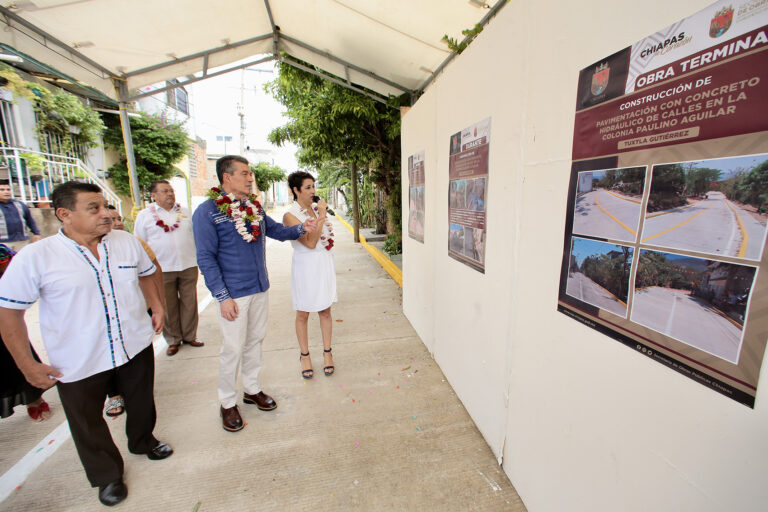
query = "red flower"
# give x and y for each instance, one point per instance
(258, 204)
(220, 201)
(229, 211)
(227, 199)
(216, 189)
(330, 245)
(166, 228)
(249, 211)
(241, 207)
(159, 223)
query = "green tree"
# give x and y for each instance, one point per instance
(266, 174)
(58, 113)
(332, 123)
(157, 145)
(609, 178)
(753, 188)
(667, 188)
(698, 180)
(333, 174)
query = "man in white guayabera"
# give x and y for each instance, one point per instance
(94, 286)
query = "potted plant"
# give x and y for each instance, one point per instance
(35, 165)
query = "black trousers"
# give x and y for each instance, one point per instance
(83, 401)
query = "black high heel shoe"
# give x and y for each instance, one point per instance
(328, 370)
(308, 373)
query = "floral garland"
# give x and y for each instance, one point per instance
(326, 238)
(159, 221)
(246, 213)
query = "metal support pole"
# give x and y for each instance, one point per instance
(355, 202)
(122, 94)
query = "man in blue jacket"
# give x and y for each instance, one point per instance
(15, 219)
(229, 235)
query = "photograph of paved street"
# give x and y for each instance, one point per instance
(717, 207)
(608, 203)
(598, 274)
(699, 302)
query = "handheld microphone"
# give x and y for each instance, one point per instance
(328, 210)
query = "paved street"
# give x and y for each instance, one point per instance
(385, 432)
(712, 226)
(688, 319)
(583, 288)
(606, 214)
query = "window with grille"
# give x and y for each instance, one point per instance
(182, 103)
(177, 98)
(8, 133)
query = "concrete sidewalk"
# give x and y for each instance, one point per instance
(385, 432)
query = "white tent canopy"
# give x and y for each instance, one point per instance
(388, 47)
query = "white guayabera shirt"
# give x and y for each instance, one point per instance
(175, 249)
(93, 316)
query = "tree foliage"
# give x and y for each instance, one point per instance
(699, 180)
(610, 270)
(469, 35)
(157, 145)
(668, 188)
(753, 187)
(655, 270)
(333, 174)
(58, 113)
(629, 181)
(330, 123)
(265, 174)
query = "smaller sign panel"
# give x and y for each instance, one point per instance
(416, 181)
(467, 185)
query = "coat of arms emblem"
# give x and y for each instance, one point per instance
(600, 79)
(721, 22)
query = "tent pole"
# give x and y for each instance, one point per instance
(122, 97)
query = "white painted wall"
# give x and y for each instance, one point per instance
(582, 422)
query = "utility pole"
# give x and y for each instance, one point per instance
(241, 112)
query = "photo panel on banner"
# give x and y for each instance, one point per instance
(608, 203)
(416, 182)
(709, 206)
(667, 214)
(468, 179)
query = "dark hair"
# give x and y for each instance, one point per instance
(65, 195)
(154, 185)
(5, 182)
(111, 207)
(296, 180)
(224, 165)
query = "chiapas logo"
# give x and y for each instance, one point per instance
(600, 79)
(721, 22)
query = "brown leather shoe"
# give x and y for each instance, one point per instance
(194, 343)
(261, 400)
(231, 420)
(172, 349)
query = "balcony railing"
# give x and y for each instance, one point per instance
(37, 187)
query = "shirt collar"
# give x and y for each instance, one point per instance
(61, 234)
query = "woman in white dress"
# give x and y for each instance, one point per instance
(313, 277)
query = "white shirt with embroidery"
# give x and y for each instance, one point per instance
(175, 249)
(93, 316)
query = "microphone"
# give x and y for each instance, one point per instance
(328, 210)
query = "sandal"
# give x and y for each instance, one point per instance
(37, 413)
(308, 373)
(328, 370)
(113, 405)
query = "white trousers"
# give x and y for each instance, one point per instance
(242, 342)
